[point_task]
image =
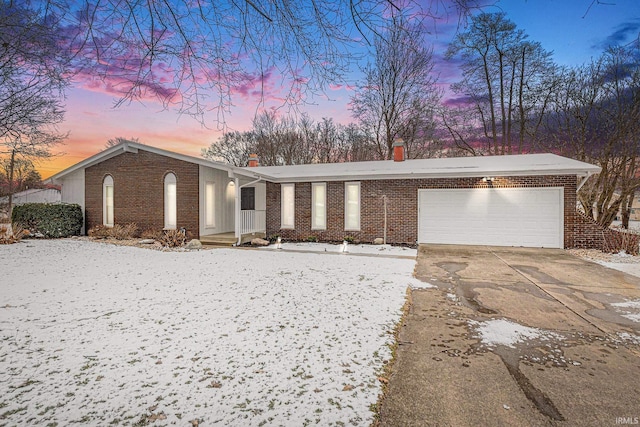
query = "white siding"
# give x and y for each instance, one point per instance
(224, 199)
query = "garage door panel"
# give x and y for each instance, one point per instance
(502, 217)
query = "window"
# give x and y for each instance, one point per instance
(209, 204)
(352, 206)
(287, 192)
(318, 206)
(248, 199)
(170, 202)
(107, 201)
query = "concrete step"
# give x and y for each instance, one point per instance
(218, 240)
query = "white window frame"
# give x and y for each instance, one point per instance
(107, 201)
(351, 204)
(318, 206)
(209, 204)
(170, 201)
(287, 207)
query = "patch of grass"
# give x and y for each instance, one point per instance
(387, 368)
(13, 411)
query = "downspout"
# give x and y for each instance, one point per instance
(238, 215)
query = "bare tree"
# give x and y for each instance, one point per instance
(505, 77)
(279, 141)
(595, 117)
(196, 55)
(33, 74)
(233, 148)
(398, 95)
(24, 175)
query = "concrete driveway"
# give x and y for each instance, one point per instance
(515, 336)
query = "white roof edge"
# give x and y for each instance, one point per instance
(125, 147)
(364, 177)
(430, 168)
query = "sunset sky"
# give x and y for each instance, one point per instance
(569, 28)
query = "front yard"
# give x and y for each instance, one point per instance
(100, 334)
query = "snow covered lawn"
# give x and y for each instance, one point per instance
(97, 334)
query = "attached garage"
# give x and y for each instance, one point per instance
(530, 217)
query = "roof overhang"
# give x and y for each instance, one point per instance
(133, 147)
(464, 167)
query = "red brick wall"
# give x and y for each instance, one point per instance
(138, 187)
(402, 206)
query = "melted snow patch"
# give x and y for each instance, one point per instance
(625, 336)
(504, 332)
(632, 309)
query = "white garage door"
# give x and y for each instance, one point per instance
(530, 217)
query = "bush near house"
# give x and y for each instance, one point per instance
(50, 220)
(118, 232)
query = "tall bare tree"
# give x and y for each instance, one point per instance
(595, 117)
(33, 74)
(505, 79)
(398, 96)
(196, 55)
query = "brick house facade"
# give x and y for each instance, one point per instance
(209, 197)
(402, 207)
(138, 182)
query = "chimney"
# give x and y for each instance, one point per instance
(399, 150)
(253, 161)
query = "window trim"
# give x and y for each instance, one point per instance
(108, 210)
(170, 205)
(314, 206)
(292, 206)
(347, 226)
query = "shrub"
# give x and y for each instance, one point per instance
(50, 220)
(151, 234)
(173, 238)
(616, 241)
(118, 231)
(312, 239)
(349, 239)
(124, 232)
(11, 234)
(100, 232)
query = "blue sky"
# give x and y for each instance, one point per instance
(575, 30)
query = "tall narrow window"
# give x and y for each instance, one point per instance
(209, 204)
(170, 202)
(107, 201)
(287, 194)
(352, 206)
(318, 206)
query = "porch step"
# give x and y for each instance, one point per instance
(218, 240)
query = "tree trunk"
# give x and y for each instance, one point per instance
(11, 167)
(625, 210)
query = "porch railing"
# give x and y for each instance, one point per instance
(253, 221)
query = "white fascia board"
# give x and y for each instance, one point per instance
(517, 165)
(389, 176)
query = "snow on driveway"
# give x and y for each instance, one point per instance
(97, 334)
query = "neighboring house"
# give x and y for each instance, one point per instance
(33, 195)
(519, 200)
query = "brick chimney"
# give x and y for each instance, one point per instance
(253, 161)
(399, 148)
